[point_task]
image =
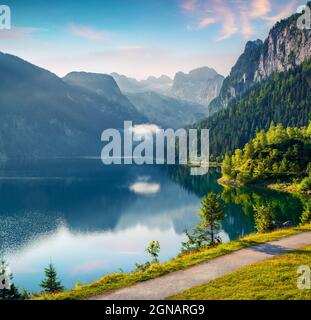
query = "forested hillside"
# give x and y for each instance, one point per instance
(283, 98)
(279, 153)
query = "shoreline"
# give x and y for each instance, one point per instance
(281, 187)
(112, 282)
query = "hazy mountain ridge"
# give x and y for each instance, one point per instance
(105, 86)
(43, 116)
(199, 86)
(166, 111)
(131, 85)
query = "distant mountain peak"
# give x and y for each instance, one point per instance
(200, 85)
(130, 85)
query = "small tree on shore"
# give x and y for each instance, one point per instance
(263, 218)
(206, 232)
(154, 249)
(306, 214)
(51, 284)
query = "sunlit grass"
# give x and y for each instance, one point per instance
(274, 279)
(115, 281)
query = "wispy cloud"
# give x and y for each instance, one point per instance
(205, 22)
(189, 5)
(236, 16)
(87, 32)
(285, 12)
(229, 21)
(260, 8)
(17, 33)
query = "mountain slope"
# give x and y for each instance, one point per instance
(105, 86)
(42, 116)
(165, 111)
(201, 85)
(286, 47)
(283, 98)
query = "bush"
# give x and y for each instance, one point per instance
(306, 214)
(263, 218)
(305, 184)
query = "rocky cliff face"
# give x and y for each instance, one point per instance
(286, 47)
(201, 85)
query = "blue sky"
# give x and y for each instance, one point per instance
(138, 37)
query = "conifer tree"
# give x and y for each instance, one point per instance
(51, 284)
(206, 232)
(8, 290)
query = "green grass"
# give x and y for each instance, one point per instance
(274, 279)
(121, 280)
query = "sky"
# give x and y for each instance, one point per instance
(138, 38)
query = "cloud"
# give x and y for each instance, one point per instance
(236, 16)
(287, 11)
(228, 19)
(205, 22)
(260, 8)
(16, 33)
(87, 32)
(189, 5)
(247, 29)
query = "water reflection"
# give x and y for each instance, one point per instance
(93, 220)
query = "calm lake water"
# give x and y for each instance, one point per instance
(91, 220)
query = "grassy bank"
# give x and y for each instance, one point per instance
(274, 279)
(116, 281)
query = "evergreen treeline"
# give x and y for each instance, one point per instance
(278, 153)
(284, 98)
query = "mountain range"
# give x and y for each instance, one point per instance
(43, 115)
(167, 112)
(199, 86)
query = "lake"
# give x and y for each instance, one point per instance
(90, 220)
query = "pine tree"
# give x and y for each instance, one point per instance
(249, 150)
(8, 290)
(154, 249)
(206, 232)
(306, 214)
(263, 218)
(227, 167)
(50, 284)
(211, 213)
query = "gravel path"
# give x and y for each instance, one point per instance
(176, 282)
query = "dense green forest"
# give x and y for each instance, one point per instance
(284, 98)
(279, 153)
